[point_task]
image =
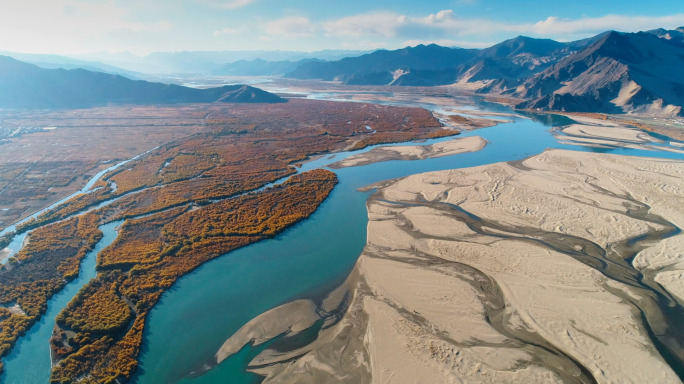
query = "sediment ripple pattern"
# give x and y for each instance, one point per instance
(562, 268)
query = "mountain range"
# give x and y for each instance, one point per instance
(638, 72)
(612, 72)
(64, 62)
(428, 65)
(205, 62)
(260, 67)
(383, 67)
(24, 85)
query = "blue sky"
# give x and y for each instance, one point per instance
(143, 26)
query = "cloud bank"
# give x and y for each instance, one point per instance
(446, 24)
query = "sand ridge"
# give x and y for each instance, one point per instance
(551, 269)
(598, 133)
(413, 152)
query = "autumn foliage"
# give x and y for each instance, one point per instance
(97, 308)
(42, 268)
(185, 202)
(152, 253)
(244, 147)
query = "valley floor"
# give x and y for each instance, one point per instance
(553, 269)
(564, 267)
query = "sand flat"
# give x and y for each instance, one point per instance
(516, 272)
(562, 301)
(609, 134)
(414, 152)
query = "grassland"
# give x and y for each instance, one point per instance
(40, 167)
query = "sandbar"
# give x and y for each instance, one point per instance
(413, 152)
(544, 270)
(609, 134)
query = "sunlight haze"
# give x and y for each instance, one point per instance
(141, 27)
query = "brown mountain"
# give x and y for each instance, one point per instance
(620, 72)
(383, 67)
(500, 67)
(674, 35)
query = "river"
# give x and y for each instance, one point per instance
(205, 307)
(29, 362)
(86, 189)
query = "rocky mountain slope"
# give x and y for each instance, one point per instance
(621, 72)
(260, 67)
(383, 67)
(507, 63)
(611, 72)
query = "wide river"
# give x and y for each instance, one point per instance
(207, 306)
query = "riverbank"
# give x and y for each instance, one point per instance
(672, 127)
(599, 133)
(515, 272)
(413, 152)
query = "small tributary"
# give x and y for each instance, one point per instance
(86, 188)
(29, 362)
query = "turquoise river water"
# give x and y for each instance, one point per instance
(207, 306)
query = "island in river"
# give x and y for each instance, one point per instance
(187, 201)
(565, 267)
(226, 179)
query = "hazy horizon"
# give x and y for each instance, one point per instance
(78, 27)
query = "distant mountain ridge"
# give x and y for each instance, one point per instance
(24, 85)
(57, 61)
(429, 65)
(674, 35)
(621, 72)
(377, 67)
(611, 72)
(206, 62)
(260, 67)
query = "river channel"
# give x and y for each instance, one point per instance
(205, 307)
(29, 361)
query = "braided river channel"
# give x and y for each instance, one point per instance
(307, 261)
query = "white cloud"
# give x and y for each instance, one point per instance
(440, 25)
(234, 4)
(383, 24)
(558, 26)
(93, 18)
(68, 25)
(444, 25)
(227, 31)
(443, 16)
(290, 27)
